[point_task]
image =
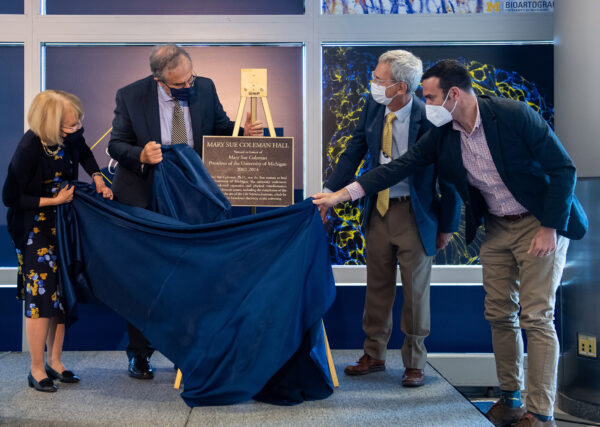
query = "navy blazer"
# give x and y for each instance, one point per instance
(529, 158)
(431, 213)
(137, 121)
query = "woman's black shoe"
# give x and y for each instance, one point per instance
(65, 377)
(44, 385)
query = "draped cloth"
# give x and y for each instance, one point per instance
(235, 304)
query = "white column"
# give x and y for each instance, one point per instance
(577, 82)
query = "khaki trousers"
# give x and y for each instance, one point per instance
(512, 277)
(392, 240)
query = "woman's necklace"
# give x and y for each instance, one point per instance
(50, 152)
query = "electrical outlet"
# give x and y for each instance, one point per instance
(586, 345)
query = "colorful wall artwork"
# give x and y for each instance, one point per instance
(522, 72)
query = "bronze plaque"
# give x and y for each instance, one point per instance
(251, 171)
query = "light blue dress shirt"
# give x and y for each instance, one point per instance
(400, 128)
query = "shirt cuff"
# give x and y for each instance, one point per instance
(356, 191)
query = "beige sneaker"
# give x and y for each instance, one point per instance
(528, 420)
(501, 415)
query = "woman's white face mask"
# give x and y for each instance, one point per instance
(437, 114)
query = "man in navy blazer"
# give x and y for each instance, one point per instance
(404, 226)
(515, 177)
(170, 106)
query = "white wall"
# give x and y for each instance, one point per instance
(577, 82)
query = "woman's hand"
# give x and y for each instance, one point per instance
(65, 195)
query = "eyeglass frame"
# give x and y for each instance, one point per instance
(378, 80)
(189, 83)
(75, 128)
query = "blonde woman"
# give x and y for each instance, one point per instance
(48, 155)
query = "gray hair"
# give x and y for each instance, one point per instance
(406, 67)
(166, 57)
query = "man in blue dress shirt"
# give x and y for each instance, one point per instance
(171, 106)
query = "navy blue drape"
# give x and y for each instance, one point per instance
(236, 304)
(184, 190)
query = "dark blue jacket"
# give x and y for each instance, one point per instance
(529, 158)
(137, 121)
(25, 180)
(431, 213)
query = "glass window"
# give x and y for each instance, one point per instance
(95, 73)
(11, 123)
(180, 7)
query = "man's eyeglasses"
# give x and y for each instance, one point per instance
(379, 81)
(189, 83)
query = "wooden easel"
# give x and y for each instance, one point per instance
(254, 85)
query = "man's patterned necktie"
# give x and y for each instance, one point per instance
(178, 134)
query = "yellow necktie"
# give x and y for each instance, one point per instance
(383, 197)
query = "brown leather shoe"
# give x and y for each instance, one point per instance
(365, 365)
(528, 420)
(502, 415)
(413, 377)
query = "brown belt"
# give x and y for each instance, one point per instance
(515, 218)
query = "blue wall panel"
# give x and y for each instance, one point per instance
(98, 328)
(11, 315)
(457, 322)
(11, 124)
(11, 7)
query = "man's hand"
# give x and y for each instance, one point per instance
(151, 154)
(253, 128)
(544, 242)
(442, 240)
(327, 200)
(101, 187)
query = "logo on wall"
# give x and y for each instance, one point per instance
(514, 6)
(492, 6)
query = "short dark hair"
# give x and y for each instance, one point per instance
(451, 73)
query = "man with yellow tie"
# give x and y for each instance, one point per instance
(405, 224)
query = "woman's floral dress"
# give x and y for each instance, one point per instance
(38, 265)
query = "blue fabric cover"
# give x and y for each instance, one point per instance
(184, 190)
(236, 304)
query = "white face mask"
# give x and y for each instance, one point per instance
(438, 115)
(378, 93)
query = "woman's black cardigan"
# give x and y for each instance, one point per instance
(24, 182)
